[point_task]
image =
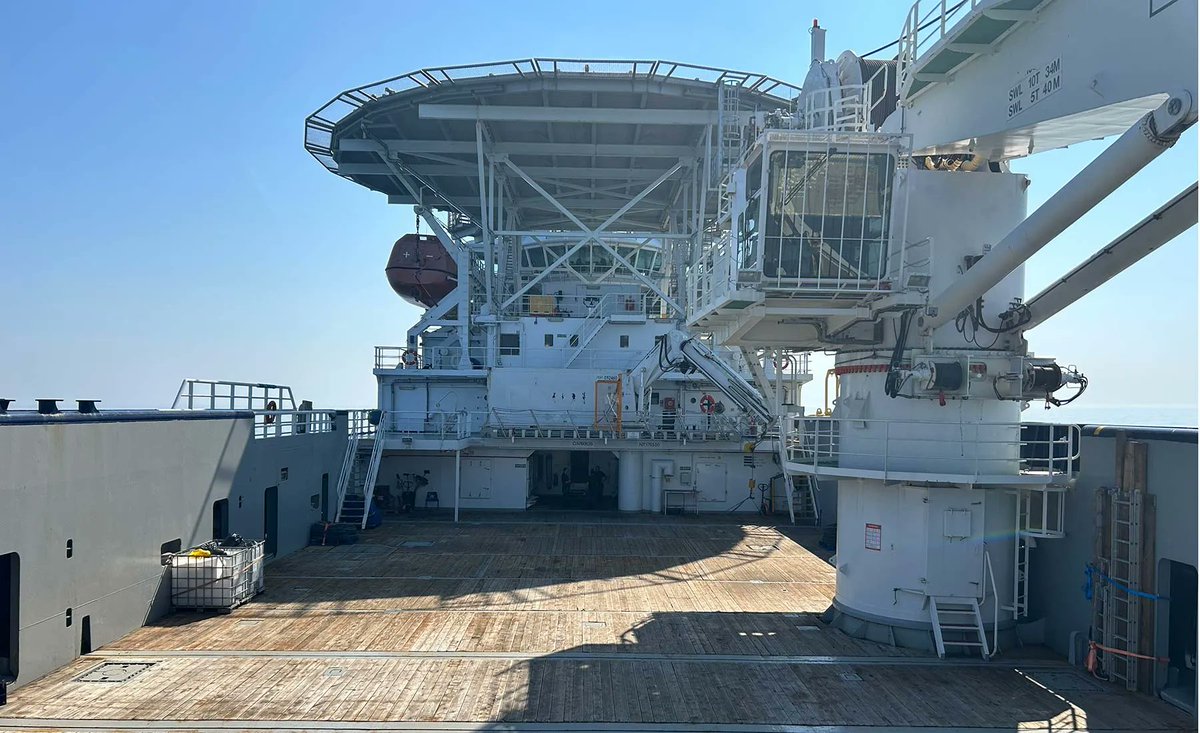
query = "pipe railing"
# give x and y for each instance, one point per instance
(930, 446)
(991, 577)
(221, 394)
(284, 423)
(516, 423)
(443, 425)
(362, 424)
(939, 17)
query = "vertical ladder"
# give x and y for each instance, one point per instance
(729, 135)
(1020, 606)
(1119, 617)
(957, 622)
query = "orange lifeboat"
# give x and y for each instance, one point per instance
(420, 269)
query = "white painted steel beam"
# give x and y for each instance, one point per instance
(1168, 222)
(592, 234)
(467, 168)
(601, 115)
(465, 147)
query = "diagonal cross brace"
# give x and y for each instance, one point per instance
(592, 235)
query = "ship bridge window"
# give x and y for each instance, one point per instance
(827, 214)
(536, 257)
(510, 344)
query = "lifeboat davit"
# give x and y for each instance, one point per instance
(420, 269)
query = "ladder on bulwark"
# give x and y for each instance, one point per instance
(1117, 620)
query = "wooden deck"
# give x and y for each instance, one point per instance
(509, 622)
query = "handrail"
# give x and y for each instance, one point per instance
(284, 423)
(819, 441)
(987, 562)
(371, 477)
(222, 394)
(940, 14)
(344, 475)
(360, 424)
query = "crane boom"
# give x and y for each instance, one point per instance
(1006, 79)
(681, 352)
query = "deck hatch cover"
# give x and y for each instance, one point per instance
(114, 672)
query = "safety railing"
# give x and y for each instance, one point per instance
(513, 424)
(458, 425)
(926, 23)
(555, 305)
(219, 394)
(534, 356)
(851, 446)
(653, 425)
(283, 423)
(989, 576)
(319, 126)
(846, 108)
(363, 423)
(714, 275)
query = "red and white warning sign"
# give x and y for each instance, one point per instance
(874, 537)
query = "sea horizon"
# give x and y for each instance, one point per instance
(1173, 416)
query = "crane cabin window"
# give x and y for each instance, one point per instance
(827, 216)
(748, 220)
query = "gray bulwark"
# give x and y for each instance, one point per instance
(88, 502)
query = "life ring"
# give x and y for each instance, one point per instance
(708, 404)
(272, 407)
(668, 404)
(409, 358)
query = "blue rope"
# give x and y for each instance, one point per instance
(1088, 586)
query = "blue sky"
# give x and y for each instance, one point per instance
(159, 218)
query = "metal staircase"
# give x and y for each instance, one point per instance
(799, 497)
(356, 484)
(508, 271)
(957, 622)
(595, 320)
(607, 309)
(802, 500)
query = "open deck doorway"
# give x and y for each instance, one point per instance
(573, 479)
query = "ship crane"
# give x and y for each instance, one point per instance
(678, 351)
(937, 478)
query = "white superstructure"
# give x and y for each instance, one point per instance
(646, 253)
